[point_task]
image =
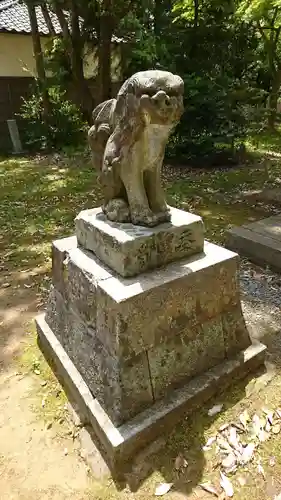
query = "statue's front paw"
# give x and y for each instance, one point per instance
(163, 215)
(144, 218)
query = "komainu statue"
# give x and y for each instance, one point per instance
(128, 140)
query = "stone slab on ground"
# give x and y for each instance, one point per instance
(120, 444)
(130, 250)
(260, 241)
(267, 195)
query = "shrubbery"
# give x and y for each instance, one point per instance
(64, 127)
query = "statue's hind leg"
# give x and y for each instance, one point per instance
(115, 204)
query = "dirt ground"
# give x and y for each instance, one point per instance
(35, 462)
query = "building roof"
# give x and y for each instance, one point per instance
(14, 18)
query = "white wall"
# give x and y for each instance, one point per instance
(16, 57)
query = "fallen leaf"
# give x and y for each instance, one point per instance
(162, 489)
(180, 462)
(223, 427)
(263, 436)
(248, 453)
(239, 427)
(260, 470)
(267, 426)
(226, 485)
(229, 463)
(37, 372)
(244, 418)
(6, 285)
(269, 415)
(233, 440)
(256, 425)
(209, 443)
(278, 412)
(214, 410)
(241, 480)
(209, 488)
(276, 428)
(224, 444)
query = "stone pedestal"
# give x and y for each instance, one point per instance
(130, 250)
(140, 343)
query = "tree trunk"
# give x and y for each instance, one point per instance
(83, 95)
(158, 12)
(48, 19)
(63, 22)
(273, 99)
(39, 60)
(193, 47)
(104, 52)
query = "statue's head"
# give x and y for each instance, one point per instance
(155, 96)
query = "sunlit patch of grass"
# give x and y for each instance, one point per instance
(50, 399)
(267, 141)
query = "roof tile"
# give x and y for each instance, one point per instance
(14, 18)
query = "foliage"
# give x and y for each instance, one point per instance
(228, 53)
(57, 62)
(216, 57)
(265, 16)
(65, 125)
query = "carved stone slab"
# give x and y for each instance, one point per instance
(130, 250)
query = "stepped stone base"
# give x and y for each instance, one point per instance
(130, 250)
(127, 335)
(135, 346)
(119, 444)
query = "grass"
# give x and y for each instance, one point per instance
(39, 199)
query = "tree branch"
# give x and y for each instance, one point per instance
(48, 19)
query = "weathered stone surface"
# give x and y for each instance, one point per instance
(126, 336)
(128, 140)
(180, 357)
(81, 276)
(236, 336)
(259, 241)
(259, 248)
(122, 443)
(130, 250)
(144, 312)
(59, 252)
(122, 387)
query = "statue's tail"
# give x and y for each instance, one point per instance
(103, 111)
(100, 131)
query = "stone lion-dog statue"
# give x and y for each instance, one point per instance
(128, 140)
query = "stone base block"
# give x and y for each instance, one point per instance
(127, 335)
(130, 250)
(260, 241)
(120, 443)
